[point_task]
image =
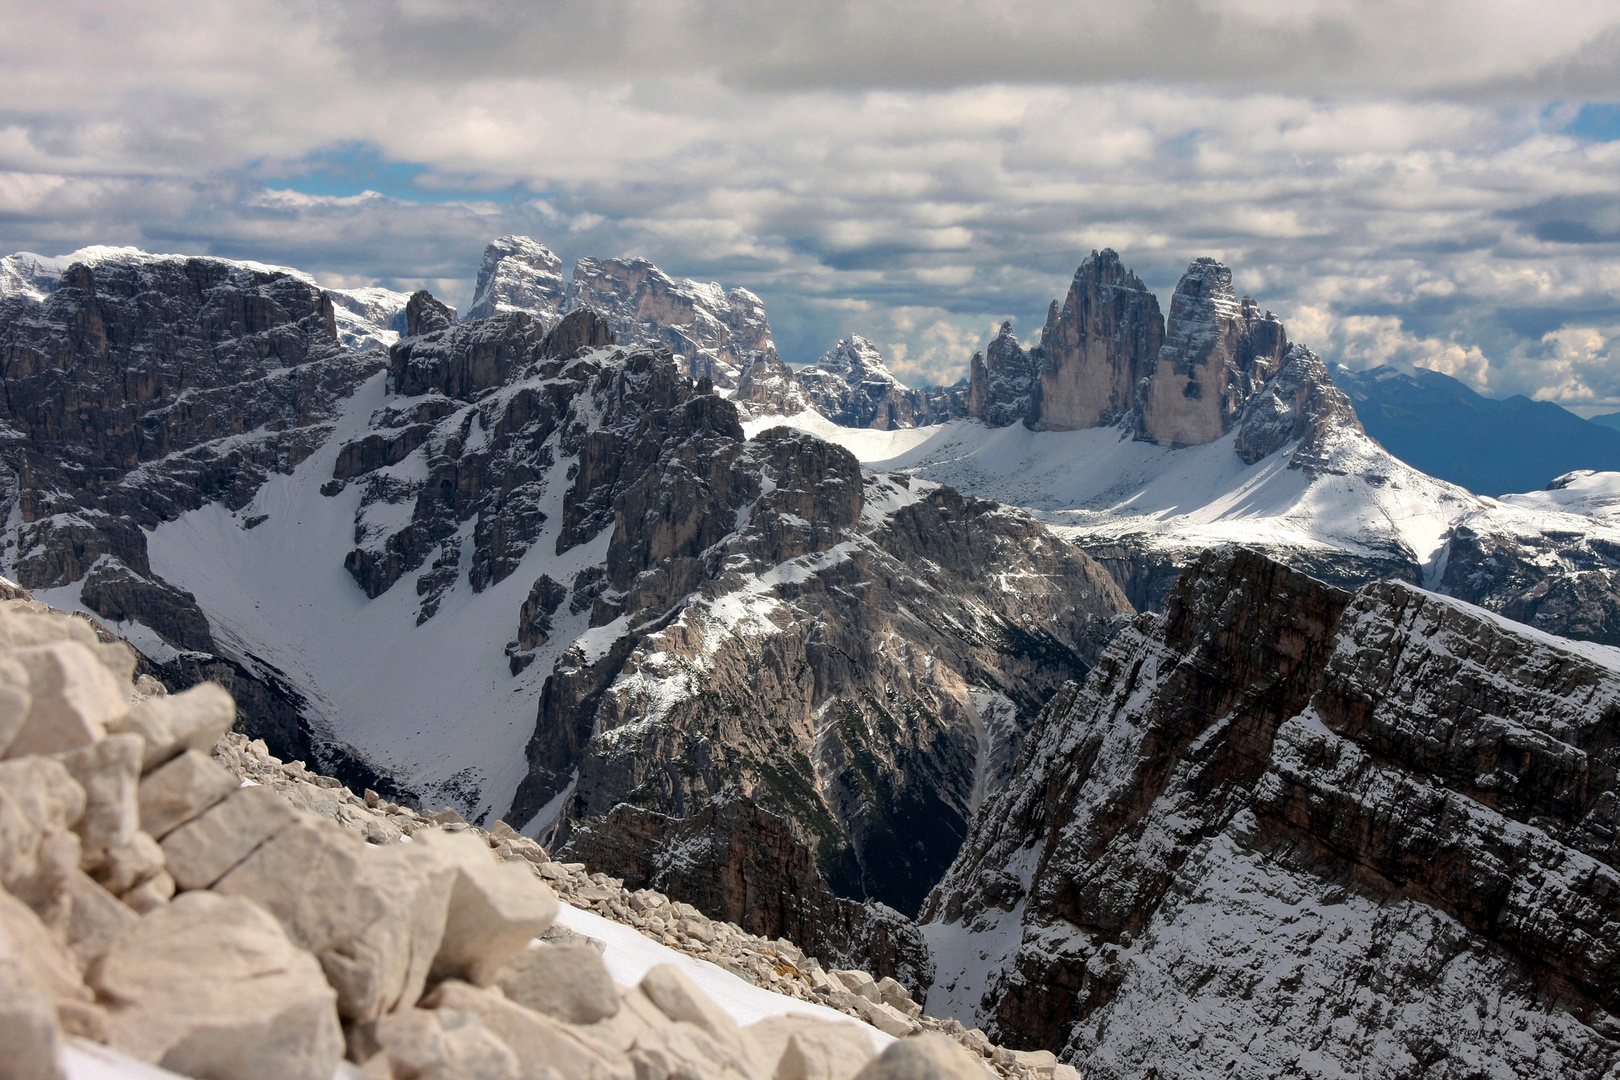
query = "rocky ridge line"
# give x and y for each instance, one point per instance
(1282, 817)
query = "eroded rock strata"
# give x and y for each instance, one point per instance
(1283, 828)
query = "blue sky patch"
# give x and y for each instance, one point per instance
(1599, 121)
(352, 168)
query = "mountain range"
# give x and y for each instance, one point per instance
(1137, 628)
(1436, 424)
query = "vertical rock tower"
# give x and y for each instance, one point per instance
(1094, 348)
(1107, 356)
(1217, 354)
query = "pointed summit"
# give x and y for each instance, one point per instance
(1002, 382)
(518, 274)
(1096, 347)
(852, 386)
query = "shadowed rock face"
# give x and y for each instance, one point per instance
(749, 866)
(1096, 347)
(1380, 825)
(1217, 354)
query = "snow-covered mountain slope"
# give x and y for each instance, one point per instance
(372, 318)
(1350, 502)
(530, 574)
(1286, 831)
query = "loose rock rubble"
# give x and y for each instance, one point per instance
(233, 916)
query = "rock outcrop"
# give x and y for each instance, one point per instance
(518, 274)
(1278, 790)
(852, 386)
(1096, 347)
(1003, 381)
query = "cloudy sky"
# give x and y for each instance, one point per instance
(1428, 182)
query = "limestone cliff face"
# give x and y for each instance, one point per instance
(1096, 348)
(1282, 816)
(1217, 354)
(518, 274)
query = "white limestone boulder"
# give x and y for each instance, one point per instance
(211, 986)
(72, 699)
(925, 1057)
(496, 908)
(109, 770)
(176, 792)
(373, 917)
(443, 1045)
(566, 982)
(173, 723)
(203, 850)
(539, 1041)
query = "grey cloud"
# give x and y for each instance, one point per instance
(1371, 46)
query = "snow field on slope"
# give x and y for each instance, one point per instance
(867, 444)
(435, 704)
(1099, 482)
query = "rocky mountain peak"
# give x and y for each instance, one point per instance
(852, 386)
(1096, 347)
(854, 359)
(1107, 356)
(1217, 354)
(426, 314)
(715, 333)
(1003, 381)
(1299, 404)
(518, 273)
